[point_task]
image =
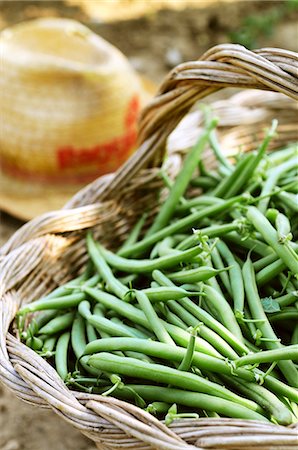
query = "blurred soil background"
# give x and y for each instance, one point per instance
(155, 36)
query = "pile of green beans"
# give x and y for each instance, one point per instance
(195, 315)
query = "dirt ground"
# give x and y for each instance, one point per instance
(154, 43)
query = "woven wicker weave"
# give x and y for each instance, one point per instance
(51, 249)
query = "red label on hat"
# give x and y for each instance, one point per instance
(109, 155)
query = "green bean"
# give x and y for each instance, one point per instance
(289, 352)
(163, 374)
(202, 200)
(165, 294)
(283, 228)
(153, 319)
(137, 333)
(270, 272)
(191, 399)
(273, 176)
(249, 169)
(190, 163)
(287, 299)
(61, 355)
(206, 333)
(290, 200)
(34, 342)
(62, 302)
(195, 275)
(78, 342)
(49, 345)
(286, 314)
(278, 411)
(269, 234)
(186, 362)
(171, 317)
(138, 317)
(200, 360)
(135, 232)
(219, 265)
(166, 247)
(257, 312)
(182, 224)
(223, 161)
(147, 265)
(211, 232)
(224, 310)
(254, 245)
(157, 408)
(204, 182)
(91, 333)
(223, 187)
(104, 270)
(163, 351)
(181, 337)
(58, 324)
(101, 323)
(294, 338)
(204, 317)
(236, 280)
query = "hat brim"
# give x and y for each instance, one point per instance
(27, 207)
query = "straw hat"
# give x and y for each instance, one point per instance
(69, 104)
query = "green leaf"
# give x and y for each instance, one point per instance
(270, 305)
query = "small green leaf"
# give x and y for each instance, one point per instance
(270, 305)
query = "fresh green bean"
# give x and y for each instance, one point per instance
(287, 299)
(223, 161)
(147, 265)
(224, 186)
(224, 310)
(165, 294)
(181, 183)
(186, 362)
(269, 234)
(49, 345)
(61, 355)
(236, 280)
(257, 312)
(270, 272)
(104, 270)
(91, 333)
(204, 317)
(204, 332)
(289, 199)
(279, 413)
(202, 200)
(163, 374)
(191, 399)
(289, 352)
(182, 224)
(58, 324)
(219, 265)
(153, 319)
(62, 302)
(195, 275)
(273, 176)
(78, 342)
(249, 169)
(286, 314)
(101, 323)
(211, 231)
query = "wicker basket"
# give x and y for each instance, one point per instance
(51, 249)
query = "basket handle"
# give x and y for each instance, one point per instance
(226, 65)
